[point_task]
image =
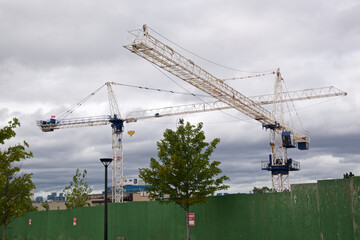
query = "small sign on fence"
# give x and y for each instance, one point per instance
(74, 222)
(192, 219)
(29, 221)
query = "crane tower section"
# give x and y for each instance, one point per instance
(278, 163)
(117, 125)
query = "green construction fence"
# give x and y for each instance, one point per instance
(328, 209)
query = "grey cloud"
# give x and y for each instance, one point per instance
(55, 54)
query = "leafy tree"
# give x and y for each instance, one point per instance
(77, 193)
(45, 205)
(15, 188)
(184, 171)
(261, 190)
(348, 175)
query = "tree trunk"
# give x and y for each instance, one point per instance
(187, 224)
(3, 232)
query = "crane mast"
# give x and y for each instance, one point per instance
(117, 125)
(280, 178)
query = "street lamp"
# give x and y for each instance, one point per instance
(106, 162)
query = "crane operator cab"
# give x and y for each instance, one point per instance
(117, 124)
(288, 141)
(46, 126)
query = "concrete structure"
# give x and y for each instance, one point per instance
(99, 199)
(52, 206)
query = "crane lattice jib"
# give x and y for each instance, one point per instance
(305, 94)
(217, 105)
(53, 124)
(163, 56)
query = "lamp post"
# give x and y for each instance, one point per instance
(106, 162)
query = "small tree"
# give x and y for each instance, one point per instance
(348, 175)
(184, 171)
(77, 193)
(15, 188)
(261, 190)
(45, 205)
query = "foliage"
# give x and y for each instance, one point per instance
(261, 190)
(348, 175)
(15, 188)
(184, 171)
(77, 192)
(45, 205)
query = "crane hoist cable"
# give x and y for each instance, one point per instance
(212, 62)
(159, 90)
(66, 113)
(251, 76)
(293, 105)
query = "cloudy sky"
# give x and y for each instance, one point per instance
(55, 53)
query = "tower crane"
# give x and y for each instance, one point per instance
(117, 123)
(282, 136)
(227, 98)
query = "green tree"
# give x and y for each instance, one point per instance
(261, 190)
(15, 188)
(77, 192)
(45, 205)
(348, 175)
(184, 172)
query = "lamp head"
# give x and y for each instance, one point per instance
(106, 161)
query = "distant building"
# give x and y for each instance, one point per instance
(60, 198)
(133, 181)
(134, 190)
(51, 197)
(39, 199)
(54, 198)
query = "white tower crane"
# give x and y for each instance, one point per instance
(228, 98)
(117, 123)
(282, 136)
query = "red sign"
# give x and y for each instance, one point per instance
(74, 222)
(29, 221)
(192, 219)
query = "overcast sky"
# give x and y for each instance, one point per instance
(55, 53)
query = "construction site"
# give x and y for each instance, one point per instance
(282, 135)
(327, 209)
